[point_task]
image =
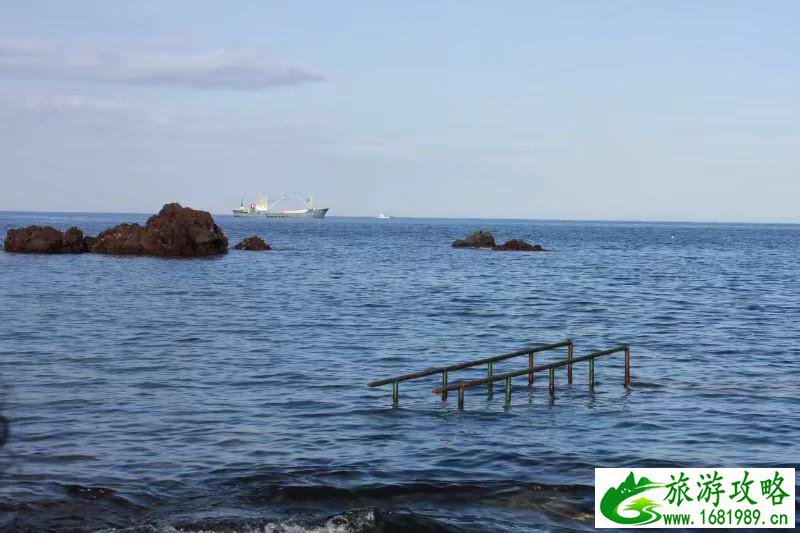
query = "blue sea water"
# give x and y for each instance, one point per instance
(229, 394)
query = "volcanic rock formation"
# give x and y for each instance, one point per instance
(518, 245)
(174, 232)
(479, 239)
(44, 240)
(254, 243)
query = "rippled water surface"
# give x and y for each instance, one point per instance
(230, 393)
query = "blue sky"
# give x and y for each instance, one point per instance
(571, 110)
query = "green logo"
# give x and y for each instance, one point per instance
(614, 499)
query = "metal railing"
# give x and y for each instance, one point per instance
(488, 361)
(460, 387)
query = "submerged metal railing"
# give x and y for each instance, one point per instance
(488, 361)
(460, 387)
(491, 378)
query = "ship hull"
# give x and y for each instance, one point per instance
(308, 213)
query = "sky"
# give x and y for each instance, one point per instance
(600, 110)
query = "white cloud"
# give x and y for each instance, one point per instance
(218, 69)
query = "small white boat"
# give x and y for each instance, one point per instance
(381, 216)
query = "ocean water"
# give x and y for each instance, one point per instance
(229, 394)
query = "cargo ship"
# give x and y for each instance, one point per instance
(262, 207)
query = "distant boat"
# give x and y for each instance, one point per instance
(262, 207)
(381, 216)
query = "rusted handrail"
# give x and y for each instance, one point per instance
(460, 387)
(485, 361)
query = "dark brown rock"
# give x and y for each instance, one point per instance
(123, 239)
(44, 240)
(183, 232)
(479, 239)
(73, 241)
(518, 245)
(254, 243)
(174, 232)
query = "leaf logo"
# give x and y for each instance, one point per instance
(644, 508)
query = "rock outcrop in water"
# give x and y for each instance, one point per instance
(44, 240)
(484, 239)
(518, 245)
(479, 239)
(175, 231)
(254, 243)
(123, 239)
(183, 232)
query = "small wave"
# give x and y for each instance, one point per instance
(352, 521)
(232, 442)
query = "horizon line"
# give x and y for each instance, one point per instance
(622, 220)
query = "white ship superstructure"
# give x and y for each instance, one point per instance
(258, 208)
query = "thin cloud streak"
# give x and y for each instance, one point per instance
(55, 102)
(217, 69)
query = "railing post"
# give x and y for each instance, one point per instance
(461, 398)
(508, 393)
(444, 384)
(591, 373)
(569, 366)
(552, 382)
(489, 374)
(530, 365)
(627, 366)
(395, 393)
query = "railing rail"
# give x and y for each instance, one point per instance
(489, 361)
(461, 386)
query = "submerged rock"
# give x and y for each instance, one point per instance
(44, 240)
(518, 245)
(479, 239)
(254, 243)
